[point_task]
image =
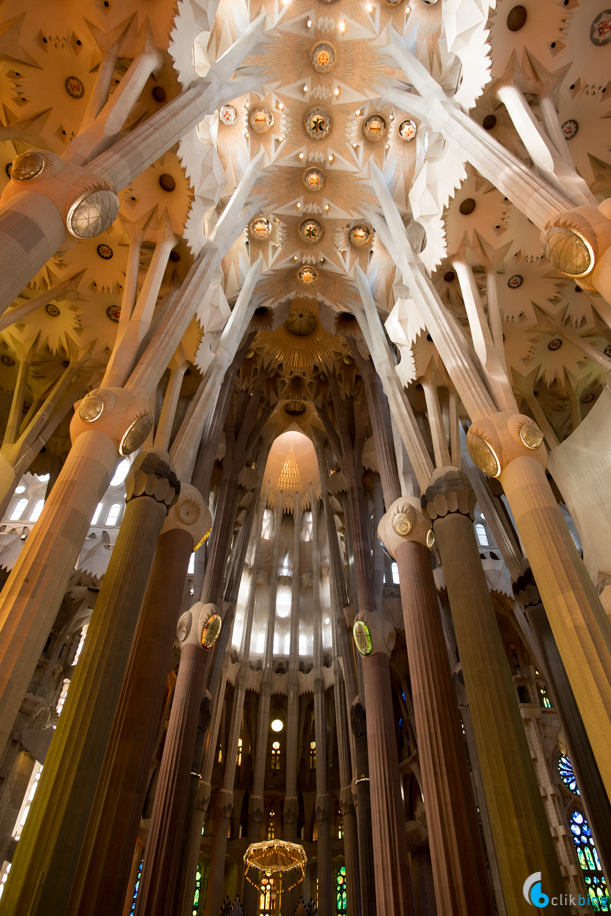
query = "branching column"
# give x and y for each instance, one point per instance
(522, 837)
(393, 893)
(32, 595)
(104, 866)
(456, 851)
(584, 764)
(323, 799)
(47, 855)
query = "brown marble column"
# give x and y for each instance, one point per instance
(104, 865)
(457, 855)
(47, 855)
(522, 837)
(162, 854)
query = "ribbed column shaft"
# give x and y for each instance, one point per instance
(45, 863)
(104, 866)
(456, 851)
(520, 829)
(161, 857)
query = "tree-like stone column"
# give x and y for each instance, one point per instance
(161, 857)
(323, 799)
(47, 856)
(510, 446)
(588, 776)
(104, 867)
(457, 855)
(106, 420)
(522, 837)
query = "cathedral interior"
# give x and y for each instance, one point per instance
(305, 457)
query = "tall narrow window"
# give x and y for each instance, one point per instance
(220, 756)
(284, 569)
(191, 569)
(395, 574)
(340, 829)
(589, 861)
(271, 828)
(312, 755)
(62, 696)
(113, 515)
(482, 535)
(96, 514)
(306, 527)
(18, 510)
(276, 755)
(37, 510)
(239, 754)
(340, 890)
(267, 530)
(136, 889)
(81, 643)
(27, 801)
(544, 700)
(198, 889)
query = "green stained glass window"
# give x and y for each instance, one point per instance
(590, 863)
(340, 889)
(198, 889)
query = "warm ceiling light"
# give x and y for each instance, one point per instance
(277, 725)
(299, 206)
(321, 260)
(295, 258)
(342, 26)
(369, 8)
(326, 206)
(281, 106)
(301, 155)
(305, 88)
(331, 158)
(357, 113)
(336, 90)
(246, 104)
(387, 146)
(309, 23)
(354, 146)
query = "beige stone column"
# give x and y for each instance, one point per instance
(106, 421)
(47, 856)
(457, 855)
(509, 446)
(522, 837)
(104, 866)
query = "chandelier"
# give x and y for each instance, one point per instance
(276, 858)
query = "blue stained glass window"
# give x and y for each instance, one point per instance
(136, 888)
(590, 863)
(565, 768)
(340, 888)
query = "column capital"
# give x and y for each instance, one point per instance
(494, 442)
(323, 807)
(381, 632)
(405, 520)
(256, 808)
(152, 475)
(290, 811)
(123, 417)
(346, 801)
(191, 514)
(225, 802)
(449, 491)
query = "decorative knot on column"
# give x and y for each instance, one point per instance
(358, 718)
(449, 492)
(373, 633)
(526, 591)
(152, 475)
(290, 811)
(116, 412)
(405, 520)
(199, 626)
(494, 442)
(204, 793)
(578, 243)
(190, 513)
